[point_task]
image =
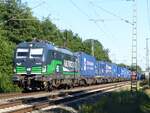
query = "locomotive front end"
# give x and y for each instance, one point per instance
(29, 65)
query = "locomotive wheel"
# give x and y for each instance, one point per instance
(82, 83)
(48, 86)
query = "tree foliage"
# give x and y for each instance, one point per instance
(99, 52)
(17, 24)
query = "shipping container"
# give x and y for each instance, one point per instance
(128, 74)
(87, 64)
(101, 68)
(114, 70)
(119, 71)
(122, 72)
(125, 73)
(97, 69)
(108, 70)
(139, 76)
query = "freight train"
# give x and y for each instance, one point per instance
(40, 65)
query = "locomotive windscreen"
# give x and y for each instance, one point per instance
(22, 53)
(29, 53)
(36, 52)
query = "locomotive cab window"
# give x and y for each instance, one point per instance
(36, 52)
(56, 55)
(22, 53)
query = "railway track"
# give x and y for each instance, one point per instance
(7, 97)
(64, 97)
(13, 95)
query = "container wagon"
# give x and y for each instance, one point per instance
(87, 64)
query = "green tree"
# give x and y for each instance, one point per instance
(72, 41)
(6, 63)
(139, 69)
(99, 52)
(18, 21)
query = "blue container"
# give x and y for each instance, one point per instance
(126, 73)
(129, 74)
(87, 64)
(97, 69)
(123, 72)
(108, 70)
(139, 76)
(101, 68)
(114, 71)
(119, 71)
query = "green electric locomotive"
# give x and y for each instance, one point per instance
(41, 65)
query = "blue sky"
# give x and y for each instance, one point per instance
(110, 30)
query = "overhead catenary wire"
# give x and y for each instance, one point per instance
(101, 20)
(75, 5)
(113, 14)
(41, 3)
(85, 14)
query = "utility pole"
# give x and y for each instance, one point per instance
(147, 55)
(147, 61)
(134, 48)
(92, 47)
(64, 38)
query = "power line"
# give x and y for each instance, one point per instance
(22, 13)
(23, 19)
(85, 14)
(113, 14)
(41, 3)
(75, 5)
(102, 20)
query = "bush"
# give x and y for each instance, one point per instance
(120, 102)
(6, 66)
(6, 85)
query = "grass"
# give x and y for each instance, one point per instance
(120, 102)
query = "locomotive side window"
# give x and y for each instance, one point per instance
(36, 53)
(22, 53)
(57, 55)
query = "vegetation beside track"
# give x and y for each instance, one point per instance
(6, 69)
(120, 102)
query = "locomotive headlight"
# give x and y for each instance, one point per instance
(28, 69)
(14, 70)
(44, 69)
